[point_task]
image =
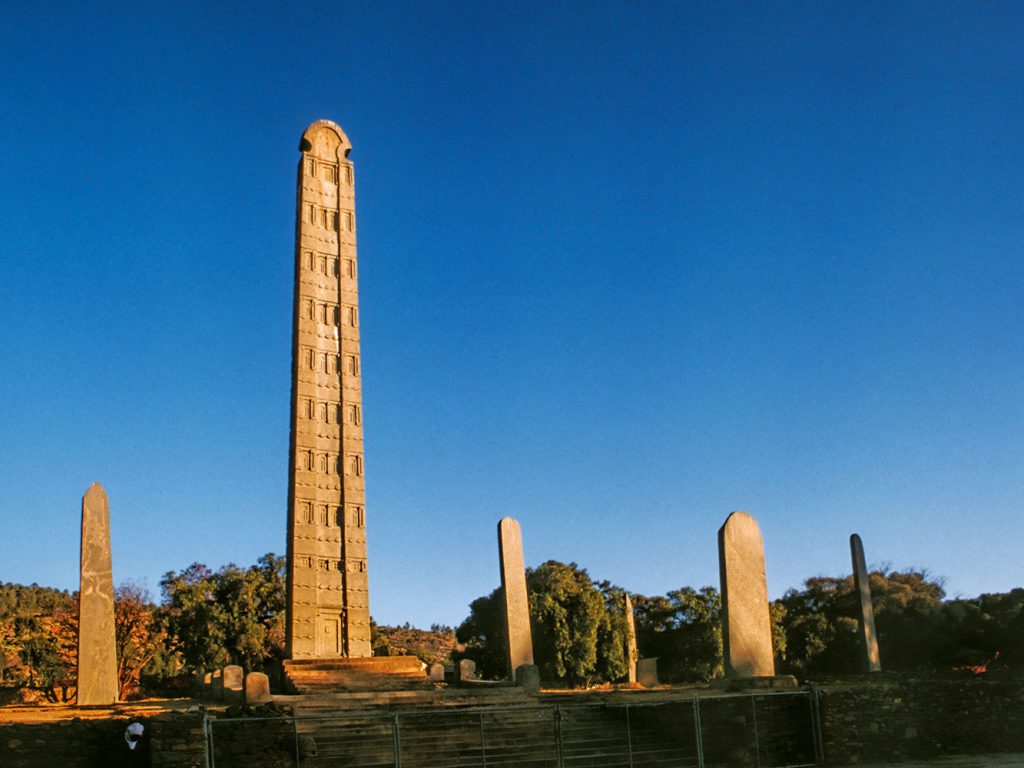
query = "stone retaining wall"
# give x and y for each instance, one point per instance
(175, 741)
(878, 719)
(898, 718)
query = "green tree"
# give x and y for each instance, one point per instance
(483, 635)
(233, 616)
(683, 630)
(577, 638)
(821, 629)
(567, 613)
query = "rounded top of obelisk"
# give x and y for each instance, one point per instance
(325, 138)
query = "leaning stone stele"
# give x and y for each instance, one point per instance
(97, 655)
(872, 661)
(746, 622)
(328, 612)
(516, 605)
(631, 651)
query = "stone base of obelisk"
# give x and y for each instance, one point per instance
(773, 682)
(373, 673)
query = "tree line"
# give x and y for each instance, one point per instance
(206, 619)
(579, 628)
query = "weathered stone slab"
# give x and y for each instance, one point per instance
(746, 622)
(465, 669)
(647, 672)
(528, 677)
(257, 689)
(519, 639)
(97, 654)
(436, 672)
(232, 680)
(872, 661)
(631, 652)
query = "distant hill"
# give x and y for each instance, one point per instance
(431, 646)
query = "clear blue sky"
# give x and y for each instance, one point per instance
(624, 268)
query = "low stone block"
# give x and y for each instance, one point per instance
(647, 672)
(528, 677)
(232, 679)
(257, 689)
(436, 672)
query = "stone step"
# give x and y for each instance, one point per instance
(409, 664)
(376, 702)
(375, 673)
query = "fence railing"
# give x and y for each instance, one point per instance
(770, 730)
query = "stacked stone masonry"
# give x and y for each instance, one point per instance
(328, 605)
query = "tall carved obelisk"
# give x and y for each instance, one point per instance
(328, 612)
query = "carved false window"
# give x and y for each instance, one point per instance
(356, 465)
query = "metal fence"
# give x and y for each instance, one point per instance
(771, 730)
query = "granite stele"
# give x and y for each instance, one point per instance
(516, 613)
(97, 655)
(746, 622)
(872, 661)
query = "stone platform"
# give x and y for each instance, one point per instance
(319, 677)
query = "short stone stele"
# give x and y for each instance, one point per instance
(465, 669)
(257, 689)
(97, 655)
(872, 661)
(746, 623)
(232, 680)
(528, 677)
(647, 672)
(436, 672)
(519, 648)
